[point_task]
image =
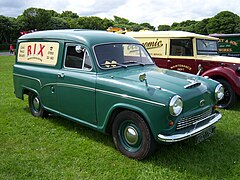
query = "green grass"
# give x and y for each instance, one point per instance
(56, 148)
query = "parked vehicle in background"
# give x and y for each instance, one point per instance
(190, 52)
(228, 44)
(108, 82)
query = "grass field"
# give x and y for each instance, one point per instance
(55, 148)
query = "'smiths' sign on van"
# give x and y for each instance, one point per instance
(38, 52)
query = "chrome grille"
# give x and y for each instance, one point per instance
(192, 120)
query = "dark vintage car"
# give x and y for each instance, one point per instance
(108, 82)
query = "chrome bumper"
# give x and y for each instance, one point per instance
(179, 137)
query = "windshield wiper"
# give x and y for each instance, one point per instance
(205, 44)
(134, 62)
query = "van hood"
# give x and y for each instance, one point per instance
(174, 82)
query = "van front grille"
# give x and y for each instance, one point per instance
(192, 120)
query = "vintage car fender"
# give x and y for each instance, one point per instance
(110, 116)
(22, 89)
(226, 73)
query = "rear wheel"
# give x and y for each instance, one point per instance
(229, 95)
(35, 105)
(132, 136)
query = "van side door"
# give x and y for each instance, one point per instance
(76, 86)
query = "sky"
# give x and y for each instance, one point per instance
(155, 12)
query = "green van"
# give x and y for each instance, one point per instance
(108, 82)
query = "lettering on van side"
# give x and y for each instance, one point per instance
(234, 43)
(152, 44)
(45, 53)
(35, 49)
(181, 67)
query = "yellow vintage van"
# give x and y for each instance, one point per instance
(196, 54)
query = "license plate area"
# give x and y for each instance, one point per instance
(205, 134)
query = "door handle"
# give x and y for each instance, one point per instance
(60, 75)
(52, 89)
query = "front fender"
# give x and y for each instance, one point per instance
(226, 73)
(127, 107)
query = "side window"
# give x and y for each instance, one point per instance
(87, 64)
(79, 60)
(181, 47)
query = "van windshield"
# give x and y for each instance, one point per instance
(207, 47)
(121, 55)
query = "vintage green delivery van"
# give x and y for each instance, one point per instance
(108, 82)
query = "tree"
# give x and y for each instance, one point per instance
(184, 26)
(201, 27)
(73, 23)
(58, 23)
(8, 29)
(69, 14)
(224, 22)
(93, 22)
(4, 28)
(53, 13)
(36, 18)
(119, 20)
(107, 23)
(147, 26)
(163, 28)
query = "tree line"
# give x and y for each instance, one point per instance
(40, 19)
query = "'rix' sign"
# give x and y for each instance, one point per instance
(35, 50)
(45, 53)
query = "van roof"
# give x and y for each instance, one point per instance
(89, 37)
(169, 34)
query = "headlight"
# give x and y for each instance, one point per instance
(175, 105)
(219, 92)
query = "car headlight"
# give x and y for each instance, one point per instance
(219, 92)
(175, 105)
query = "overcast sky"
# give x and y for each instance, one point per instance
(155, 12)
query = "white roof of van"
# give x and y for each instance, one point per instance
(169, 34)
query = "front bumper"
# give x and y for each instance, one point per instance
(179, 137)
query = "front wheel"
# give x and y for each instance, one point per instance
(35, 105)
(132, 136)
(229, 95)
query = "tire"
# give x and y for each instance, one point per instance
(35, 105)
(229, 98)
(132, 136)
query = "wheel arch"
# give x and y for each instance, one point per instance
(116, 109)
(27, 90)
(224, 73)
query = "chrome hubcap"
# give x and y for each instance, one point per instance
(131, 135)
(36, 103)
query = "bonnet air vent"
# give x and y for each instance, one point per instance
(192, 85)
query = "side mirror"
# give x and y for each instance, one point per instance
(79, 49)
(200, 69)
(143, 77)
